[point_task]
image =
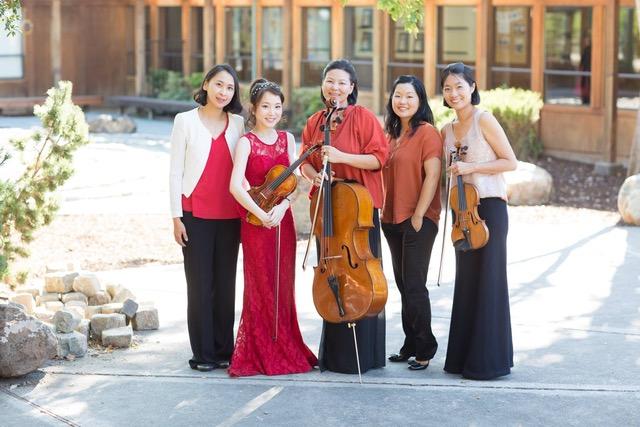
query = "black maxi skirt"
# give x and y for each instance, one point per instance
(480, 345)
(337, 349)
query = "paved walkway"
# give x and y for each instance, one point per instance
(575, 293)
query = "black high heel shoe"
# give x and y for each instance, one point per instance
(417, 366)
(399, 357)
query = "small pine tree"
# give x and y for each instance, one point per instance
(45, 157)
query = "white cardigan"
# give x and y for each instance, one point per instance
(190, 145)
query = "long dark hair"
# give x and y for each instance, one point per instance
(392, 123)
(234, 106)
(460, 69)
(258, 88)
(344, 65)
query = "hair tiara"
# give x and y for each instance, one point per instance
(264, 85)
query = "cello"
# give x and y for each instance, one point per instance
(348, 282)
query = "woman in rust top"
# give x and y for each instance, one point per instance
(411, 211)
(358, 151)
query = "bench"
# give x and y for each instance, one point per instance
(151, 105)
(28, 102)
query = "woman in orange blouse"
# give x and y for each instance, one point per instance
(411, 211)
(357, 152)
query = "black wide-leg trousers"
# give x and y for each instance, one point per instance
(210, 260)
(410, 255)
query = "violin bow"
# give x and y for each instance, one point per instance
(315, 214)
(277, 286)
(446, 213)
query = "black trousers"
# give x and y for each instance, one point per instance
(210, 259)
(410, 255)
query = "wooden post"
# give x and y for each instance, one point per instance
(483, 20)
(296, 45)
(287, 17)
(220, 36)
(256, 51)
(610, 61)
(537, 49)
(430, 26)
(139, 47)
(337, 31)
(208, 29)
(378, 55)
(56, 41)
(185, 16)
(154, 29)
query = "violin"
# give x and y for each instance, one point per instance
(348, 282)
(278, 184)
(469, 231)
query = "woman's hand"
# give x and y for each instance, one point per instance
(416, 222)
(275, 215)
(318, 178)
(461, 168)
(180, 232)
(334, 155)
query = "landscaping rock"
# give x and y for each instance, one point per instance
(100, 298)
(129, 308)
(122, 295)
(46, 297)
(146, 318)
(91, 310)
(84, 327)
(118, 337)
(74, 343)
(528, 185)
(112, 289)
(629, 200)
(87, 283)
(54, 305)
(41, 313)
(75, 296)
(66, 321)
(79, 310)
(114, 307)
(61, 282)
(106, 123)
(26, 300)
(102, 322)
(25, 342)
(33, 290)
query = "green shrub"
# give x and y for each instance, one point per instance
(303, 103)
(176, 87)
(517, 110)
(157, 80)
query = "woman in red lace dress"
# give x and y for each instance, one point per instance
(267, 343)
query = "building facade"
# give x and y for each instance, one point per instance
(581, 55)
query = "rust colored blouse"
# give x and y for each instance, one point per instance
(404, 174)
(359, 133)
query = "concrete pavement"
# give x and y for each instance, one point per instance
(575, 293)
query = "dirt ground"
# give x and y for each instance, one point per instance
(105, 242)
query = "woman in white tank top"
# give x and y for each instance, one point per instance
(480, 345)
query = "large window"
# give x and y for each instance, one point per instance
(272, 43)
(511, 47)
(456, 37)
(170, 43)
(567, 73)
(628, 60)
(406, 53)
(316, 43)
(11, 56)
(358, 42)
(238, 40)
(197, 39)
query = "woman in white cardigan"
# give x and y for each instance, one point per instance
(205, 217)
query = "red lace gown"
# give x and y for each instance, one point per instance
(256, 351)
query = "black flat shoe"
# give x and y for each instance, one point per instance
(398, 357)
(417, 366)
(206, 367)
(223, 365)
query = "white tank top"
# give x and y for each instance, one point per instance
(479, 151)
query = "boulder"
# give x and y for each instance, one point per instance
(66, 321)
(146, 318)
(41, 313)
(528, 185)
(114, 307)
(629, 200)
(46, 297)
(33, 290)
(100, 298)
(54, 305)
(87, 283)
(25, 342)
(74, 343)
(91, 310)
(113, 288)
(75, 296)
(117, 337)
(102, 322)
(26, 300)
(84, 327)
(122, 295)
(60, 282)
(129, 308)
(106, 123)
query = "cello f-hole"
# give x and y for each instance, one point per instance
(351, 263)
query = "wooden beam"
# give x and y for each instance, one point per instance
(296, 46)
(140, 60)
(610, 61)
(430, 47)
(287, 26)
(483, 20)
(56, 41)
(378, 59)
(154, 27)
(220, 37)
(537, 49)
(337, 31)
(185, 18)
(258, 50)
(208, 32)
